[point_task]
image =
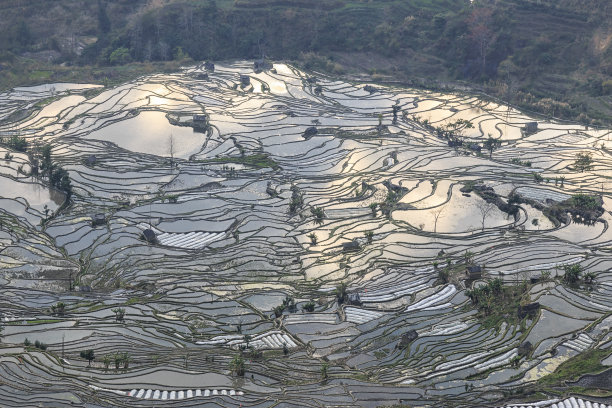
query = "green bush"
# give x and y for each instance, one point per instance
(237, 365)
(120, 56)
(584, 202)
(88, 355)
(572, 273)
(17, 143)
(309, 307)
(583, 162)
(606, 87)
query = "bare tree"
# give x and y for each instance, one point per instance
(436, 215)
(164, 50)
(485, 208)
(171, 149)
(479, 22)
(147, 54)
(186, 20)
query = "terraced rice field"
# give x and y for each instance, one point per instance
(229, 251)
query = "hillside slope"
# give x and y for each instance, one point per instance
(551, 56)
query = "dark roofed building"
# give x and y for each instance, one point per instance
(407, 338)
(354, 299)
(245, 80)
(310, 132)
(351, 246)
(473, 272)
(475, 147)
(530, 128)
(98, 219)
(149, 236)
(261, 65)
(200, 123)
(529, 309)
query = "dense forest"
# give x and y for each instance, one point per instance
(554, 57)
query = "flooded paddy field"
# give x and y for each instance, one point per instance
(272, 204)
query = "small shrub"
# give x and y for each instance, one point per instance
(318, 213)
(324, 369)
(107, 360)
(119, 314)
(537, 177)
(278, 311)
(255, 354)
(443, 275)
(236, 365)
(17, 143)
(88, 355)
(572, 273)
(297, 201)
(58, 309)
(373, 207)
(309, 307)
(341, 293)
(584, 202)
(121, 360)
(583, 162)
(589, 277)
(289, 303)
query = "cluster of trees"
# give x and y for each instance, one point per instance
(492, 43)
(237, 365)
(120, 360)
(15, 142)
(57, 176)
(318, 214)
(37, 344)
(58, 309)
(288, 304)
(297, 199)
(473, 40)
(119, 313)
(574, 273)
(584, 202)
(498, 302)
(484, 296)
(41, 162)
(583, 162)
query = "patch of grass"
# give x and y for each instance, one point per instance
(137, 299)
(44, 321)
(380, 354)
(46, 101)
(498, 303)
(582, 207)
(260, 161)
(40, 75)
(588, 362)
(27, 72)
(585, 202)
